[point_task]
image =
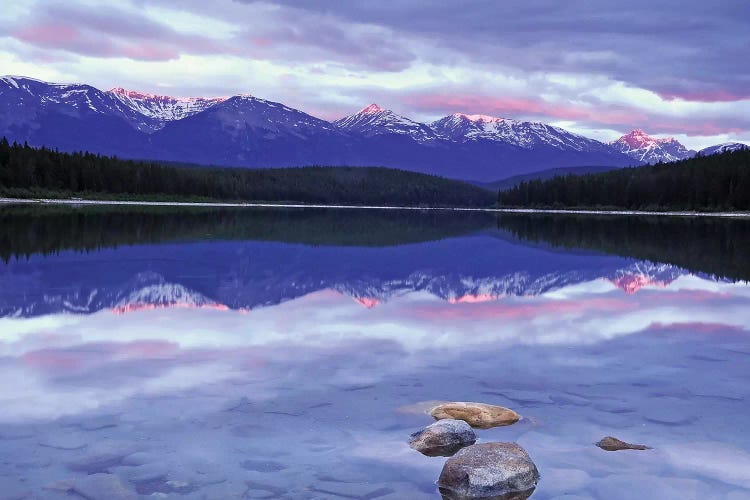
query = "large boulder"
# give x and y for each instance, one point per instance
(443, 438)
(479, 415)
(489, 470)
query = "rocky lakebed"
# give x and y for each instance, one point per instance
(488, 470)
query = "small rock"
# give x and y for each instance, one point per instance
(480, 415)
(65, 442)
(523, 397)
(489, 470)
(64, 486)
(262, 465)
(610, 443)
(96, 463)
(419, 408)
(102, 487)
(15, 491)
(443, 438)
(98, 423)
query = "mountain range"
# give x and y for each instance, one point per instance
(246, 275)
(246, 131)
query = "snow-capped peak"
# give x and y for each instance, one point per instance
(372, 108)
(135, 94)
(374, 120)
(16, 81)
(465, 127)
(723, 148)
(478, 118)
(641, 146)
(163, 108)
(638, 139)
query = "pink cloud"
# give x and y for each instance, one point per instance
(260, 41)
(145, 349)
(107, 32)
(86, 356)
(54, 360)
(696, 327)
(698, 128)
(514, 106)
(513, 310)
(618, 117)
(47, 34)
(149, 52)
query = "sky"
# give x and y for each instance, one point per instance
(600, 68)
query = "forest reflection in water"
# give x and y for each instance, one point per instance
(278, 353)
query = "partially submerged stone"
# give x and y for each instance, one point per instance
(610, 443)
(480, 415)
(489, 470)
(96, 487)
(443, 438)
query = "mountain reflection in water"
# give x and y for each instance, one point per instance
(279, 353)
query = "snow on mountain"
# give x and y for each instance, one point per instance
(644, 274)
(150, 290)
(163, 296)
(374, 120)
(723, 148)
(160, 109)
(462, 127)
(246, 131)
(644, 148)
(29, 94)
(245, 113)
(458, 289)
(70, 117)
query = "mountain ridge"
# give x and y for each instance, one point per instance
(247, 131)
(639, 145)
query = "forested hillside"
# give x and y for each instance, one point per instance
(41, 172)
(716, 182)
(30, 228)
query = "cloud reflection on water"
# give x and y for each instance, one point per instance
(84, 362)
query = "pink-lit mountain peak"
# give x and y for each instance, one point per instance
(374, 120)
(644, 148)
(632, 283)
(135, 94)
(479, 118)
(163, 108)
(638, 139)
(372, 108)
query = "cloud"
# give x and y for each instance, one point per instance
(106, 32)
(598, 71)
(694, 50)
(66, 364)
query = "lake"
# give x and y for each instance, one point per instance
(290, 353)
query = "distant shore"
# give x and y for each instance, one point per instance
(56, 201)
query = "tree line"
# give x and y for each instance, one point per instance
(715, 182)
(43, 172)
(31, 229)
(716, 246)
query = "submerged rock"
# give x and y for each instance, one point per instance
(489, 470)
(480, 415)
(96, 487)
(610, 443)
(443, 438)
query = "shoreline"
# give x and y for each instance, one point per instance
(57, 201)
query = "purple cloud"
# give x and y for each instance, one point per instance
(695, 50)
(476, 56)
(106, 32)
(287, 34)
